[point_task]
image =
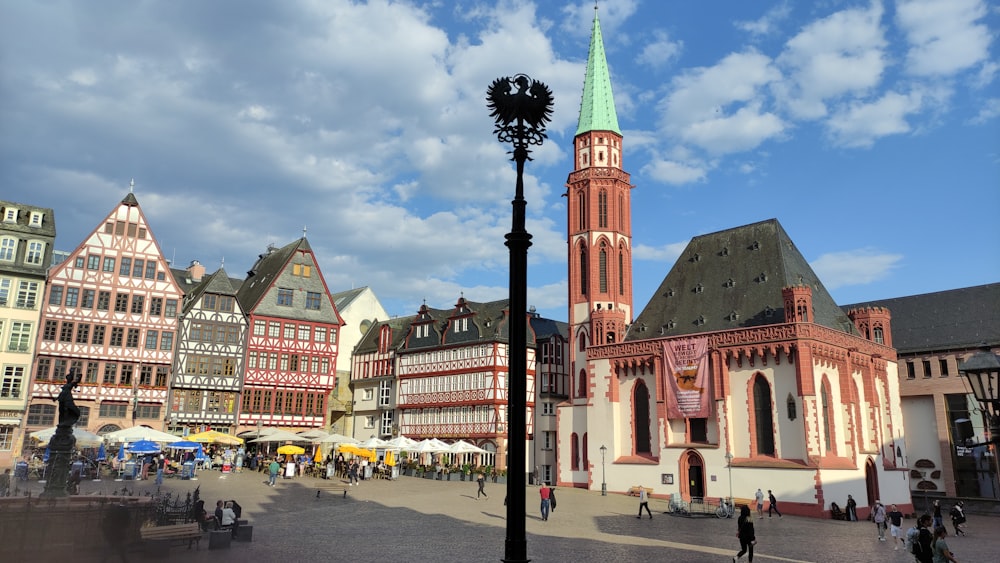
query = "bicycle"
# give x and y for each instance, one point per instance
(725, 510)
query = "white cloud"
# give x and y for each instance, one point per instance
(674, 172)
(767, 24)
(83, 76)
(860, 124)
(255, 112)
(719, 108)
(661, 51)
(667, 253)
(944, 35)
(854, 267)
(841, 54)
(989, 111)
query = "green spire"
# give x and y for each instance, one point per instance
(597, 110)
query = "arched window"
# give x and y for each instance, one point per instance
(583, 341)
(764, 421)
(802, 312)
(584, 270)
(574, 452)
(581, 209)
(602, 209)
(640, 418)
(827, 422)
(621, 272)
(621, 213)
(584, 449)
(581, 390)
(603, 268)
(879, 336)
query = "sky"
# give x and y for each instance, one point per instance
(869, 129)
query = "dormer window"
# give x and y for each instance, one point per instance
(755, 245)
(730, 283)
(724, 252)
(699, 288)
(670, 292)
(700, 320)
(768, 312)
(762, 277)
(10, 215)
(733, 316)
(36, 219)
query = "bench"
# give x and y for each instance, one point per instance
(749, 502)
(190, 533)
(332, 489)
(634, 491)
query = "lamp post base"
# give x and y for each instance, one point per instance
(604, 489)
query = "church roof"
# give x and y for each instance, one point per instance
(734, 279)
(597, 109)
(945, 320)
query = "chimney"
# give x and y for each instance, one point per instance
(196, 271)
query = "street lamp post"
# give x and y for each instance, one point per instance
(983, 370)
(521, 107)
(604, 482)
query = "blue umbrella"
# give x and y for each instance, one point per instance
(201, 453)
(184, 445)
(144, 447)
(45, 458)
(121, 453)
(101, 456)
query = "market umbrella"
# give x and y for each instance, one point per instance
(101, 454)
(45, 457)
(352, 449)
(280, 436)
(140, 432)
(463, 447)
(289, 449)
(121, 452)
(373, 442)
(429, 447)
(337, 439)
(184, 445)
(144, 447)
(83, 437)
(313, 434)
(215, 437)
(390, 458)
(200, 455)
(401, 442)
(318, 458)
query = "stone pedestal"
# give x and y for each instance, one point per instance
(62, 446)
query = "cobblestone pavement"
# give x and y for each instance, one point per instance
(418, 520)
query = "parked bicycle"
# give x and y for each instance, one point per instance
(726, 508)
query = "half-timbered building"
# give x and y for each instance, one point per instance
(552, 338)
(26, 236)
(110, 312)
(207, 376)
(741, 371)
(292, 343)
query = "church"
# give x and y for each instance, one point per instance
(740, 373)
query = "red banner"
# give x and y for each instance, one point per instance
(686, 363)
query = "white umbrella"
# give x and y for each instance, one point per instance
(314, 434)
(463, 447)
(337, 439)
(280, 436)
(401, 442)
(83, 437)
(137, 433)
(372, 443)
(429, 447)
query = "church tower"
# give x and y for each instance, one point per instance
(599, 220)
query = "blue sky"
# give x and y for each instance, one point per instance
(868, 129)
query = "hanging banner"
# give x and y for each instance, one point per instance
(686, 364)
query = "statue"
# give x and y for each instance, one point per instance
(69, 413)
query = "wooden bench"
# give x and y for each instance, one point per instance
(332, 489)
(172, 533)
(738, 502)
(634, 491)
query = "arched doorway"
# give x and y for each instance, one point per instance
(692, 472)
(640, 410)
(871, 482)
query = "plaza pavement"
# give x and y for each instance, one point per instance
(416, 520)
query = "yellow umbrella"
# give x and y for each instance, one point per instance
(289, 449)
(319, 455)
(352, 449)
(390, 459)
(215, 437)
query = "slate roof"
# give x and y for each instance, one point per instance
(546, 328)
(267, 267)
(218, 282)
(400, 327)
(945, 320)
(343, 298)
(23, 224)
(732, 279)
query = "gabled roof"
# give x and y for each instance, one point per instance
(263, 273)
(597, 108)
(546, 328)
(344, 298)
(945, 320)
(400, 328)
(23, 224)
(732, 279)
(218, 283)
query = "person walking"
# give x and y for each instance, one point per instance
(852, 509)
(759, 498)
(938, 520)
(352, 474)
(160, 464)
(896, 527)
(939, 547)
(644, 502)
(925, 540)
(746, 534)
(481, 481)
(958, 518)
(545, 493)
(772, 504)
(273, 469)
(878, 516)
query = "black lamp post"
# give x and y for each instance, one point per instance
(604, 482)
(982, 370)
(521, 107)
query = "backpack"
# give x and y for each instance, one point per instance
(912, 540)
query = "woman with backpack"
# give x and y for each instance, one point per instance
(745, 531)
(958, 518)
